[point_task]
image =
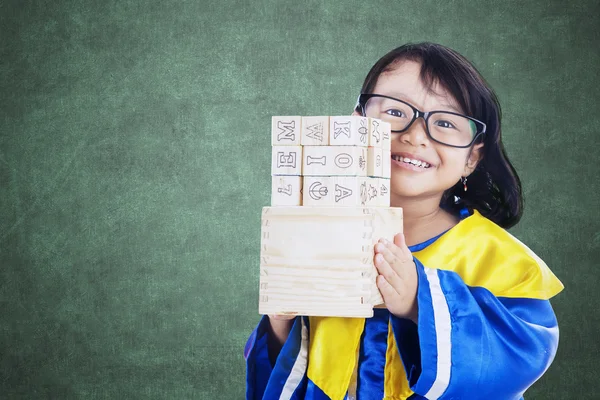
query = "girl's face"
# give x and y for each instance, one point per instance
(446, 164)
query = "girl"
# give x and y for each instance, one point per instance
(467, 312)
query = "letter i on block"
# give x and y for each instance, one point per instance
(285, 131)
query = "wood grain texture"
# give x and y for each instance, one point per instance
(319, 260)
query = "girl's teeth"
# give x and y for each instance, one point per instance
(413, 162)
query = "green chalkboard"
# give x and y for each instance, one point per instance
(135, 159)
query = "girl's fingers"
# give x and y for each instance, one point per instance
(387, 291)
(386, 252)
(400, 242)
(385, 269)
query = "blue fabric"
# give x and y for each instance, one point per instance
(427, 341)
(500, 346)
(372, 355)
(407, 340)
(313, 392)
(285, 361)
(258, 365)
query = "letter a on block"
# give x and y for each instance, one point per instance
(285, 131)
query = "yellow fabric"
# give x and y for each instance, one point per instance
(333, 336)
(483, 254)
(480, 252)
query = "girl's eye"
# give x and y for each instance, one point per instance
(395, 113)
(444, 124)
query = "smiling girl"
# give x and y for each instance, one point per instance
(467, 312)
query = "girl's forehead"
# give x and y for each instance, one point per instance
(403, 81)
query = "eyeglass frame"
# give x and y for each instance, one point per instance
(364, 97)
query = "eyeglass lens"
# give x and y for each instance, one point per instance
(447, 128)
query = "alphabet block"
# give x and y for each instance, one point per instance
(386, 135)
(318, 261)
(286, 190)
(286, 160)
(374, 161)
(334, 161)
(386, 165)
(384, 192)
(285, 131)
(340, 191)
(375, 133)
(315, 131)
(349, 131)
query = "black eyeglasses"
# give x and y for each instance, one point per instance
(445, 127)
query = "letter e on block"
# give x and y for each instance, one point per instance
(285, 131)
(286, 160)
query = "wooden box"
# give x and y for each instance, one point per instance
(318, 260)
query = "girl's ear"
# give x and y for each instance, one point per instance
(474, 159)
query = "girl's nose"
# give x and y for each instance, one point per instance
(416, 134)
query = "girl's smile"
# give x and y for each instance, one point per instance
(410, 162)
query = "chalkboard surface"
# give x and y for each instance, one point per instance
(135, 159)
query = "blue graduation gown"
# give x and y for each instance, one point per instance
(486, 330)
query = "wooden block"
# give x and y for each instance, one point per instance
(318, 191)
(315, 131)
(285, 131)
(318, 261)
(386, 135)
(386, 165)
(286, 160)
(375, 133)
(340, 191)
(384, 192)
(348, 131)
(374, 161)
(286, 190)
(334, 161)
(372, 194)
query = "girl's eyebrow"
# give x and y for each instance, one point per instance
(408, 99)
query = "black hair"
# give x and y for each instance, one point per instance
(494, 188)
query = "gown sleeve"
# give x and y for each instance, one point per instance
(468, 343)
(287, 378)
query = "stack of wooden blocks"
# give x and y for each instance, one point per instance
(330, 203)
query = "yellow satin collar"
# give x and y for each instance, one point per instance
(480, 252)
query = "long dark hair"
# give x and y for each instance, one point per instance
(494, 188)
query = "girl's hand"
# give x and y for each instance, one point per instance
(282, 317)
(398, 279)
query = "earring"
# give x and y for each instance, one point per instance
(463, 179)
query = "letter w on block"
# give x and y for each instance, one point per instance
(318, 260)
